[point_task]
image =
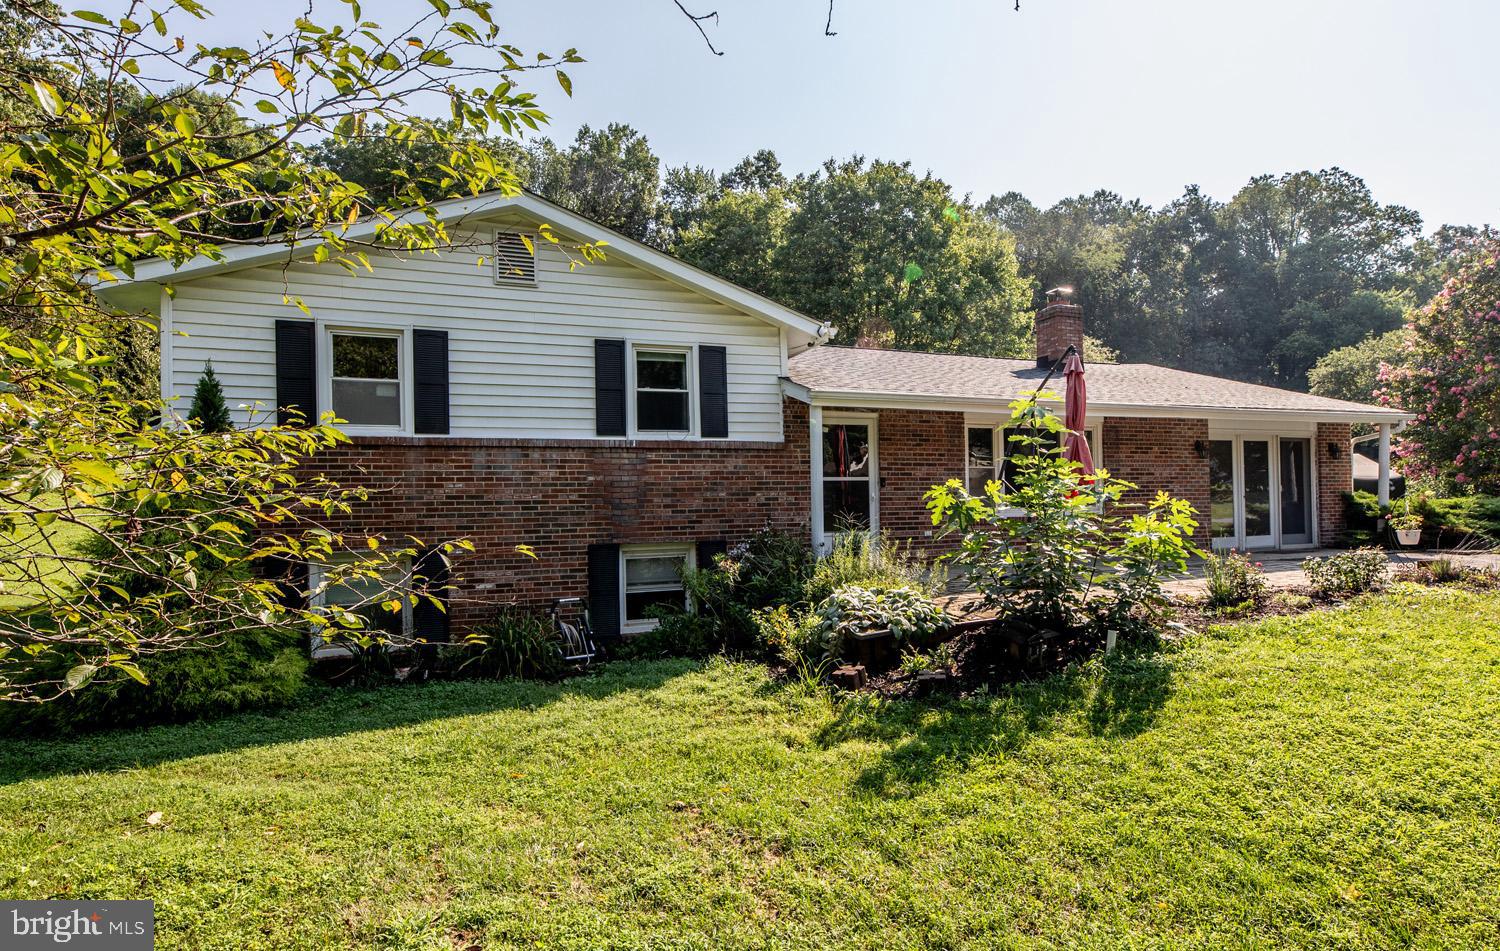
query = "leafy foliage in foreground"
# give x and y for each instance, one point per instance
(124, 139)
(1080, 558)
(1339, 763)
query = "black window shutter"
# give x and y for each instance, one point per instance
(708, 548)
(430, 379)
(713, 391)
(430, 573)
(609, 387)
(604, 590)
(296, 372)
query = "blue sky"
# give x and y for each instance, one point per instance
(1139, 96)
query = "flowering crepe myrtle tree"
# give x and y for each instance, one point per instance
(1450, 378)
(121, 139)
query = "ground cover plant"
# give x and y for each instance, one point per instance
(1325, 781)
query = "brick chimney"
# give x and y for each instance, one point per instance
(1059, 325)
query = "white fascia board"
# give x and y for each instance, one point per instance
(796, 391)
(865, 400)
(236, 257)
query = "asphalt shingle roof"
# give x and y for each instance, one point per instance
(906, 374)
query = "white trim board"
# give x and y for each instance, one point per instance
(977, 405)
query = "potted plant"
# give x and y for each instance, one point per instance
(1408, 526)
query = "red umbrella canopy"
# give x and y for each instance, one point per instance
(1075, 408)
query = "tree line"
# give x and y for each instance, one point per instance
(1258, 287)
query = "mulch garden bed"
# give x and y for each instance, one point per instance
(985, 654)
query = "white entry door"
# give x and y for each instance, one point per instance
(850, 478)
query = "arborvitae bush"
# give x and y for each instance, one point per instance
(209, 409)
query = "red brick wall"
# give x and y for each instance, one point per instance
(560, 496)
(1335, 477)
(1158, 454)
(917, 451)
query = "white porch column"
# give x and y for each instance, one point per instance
(1383, 488)
(815, 454)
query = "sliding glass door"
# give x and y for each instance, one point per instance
(1255, 475)
(1260, 492)
(1296, 492)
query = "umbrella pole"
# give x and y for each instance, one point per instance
(1050, 373)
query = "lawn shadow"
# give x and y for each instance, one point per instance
(1115, 698)
(330, 712)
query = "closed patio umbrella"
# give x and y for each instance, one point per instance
(1075, 408)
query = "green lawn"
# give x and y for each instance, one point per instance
(1327, 781)
(19, 591)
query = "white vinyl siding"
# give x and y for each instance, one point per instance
(521, 360)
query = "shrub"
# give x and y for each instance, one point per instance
(871, 560)
(1347, 573)
(516, 642)
(677, 633)
(790, 632)
(943, 657)
(1078, 558)
(768, 569)
(251, 670)
(209, 411)
(1457, 517)
(908, 613)
(1232, 578)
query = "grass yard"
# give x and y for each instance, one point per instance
(18, 591)
(1330, 780)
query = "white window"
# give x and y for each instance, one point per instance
(515, 259)
(663, 390)
(367, 371)
(651, 575)
(990, 454)
(365, 597)
(983, 464)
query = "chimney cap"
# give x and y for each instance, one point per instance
(1059, 294)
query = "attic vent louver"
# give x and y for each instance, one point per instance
(515, 263)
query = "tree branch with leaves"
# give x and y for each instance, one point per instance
(123, 139)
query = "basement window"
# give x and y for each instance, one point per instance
(365, 597)
(651, 577)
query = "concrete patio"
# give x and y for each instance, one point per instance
(1283, 569)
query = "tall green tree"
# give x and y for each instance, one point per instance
(1353, 372)
(893, 259)
(610, 175)
(1256, 288)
